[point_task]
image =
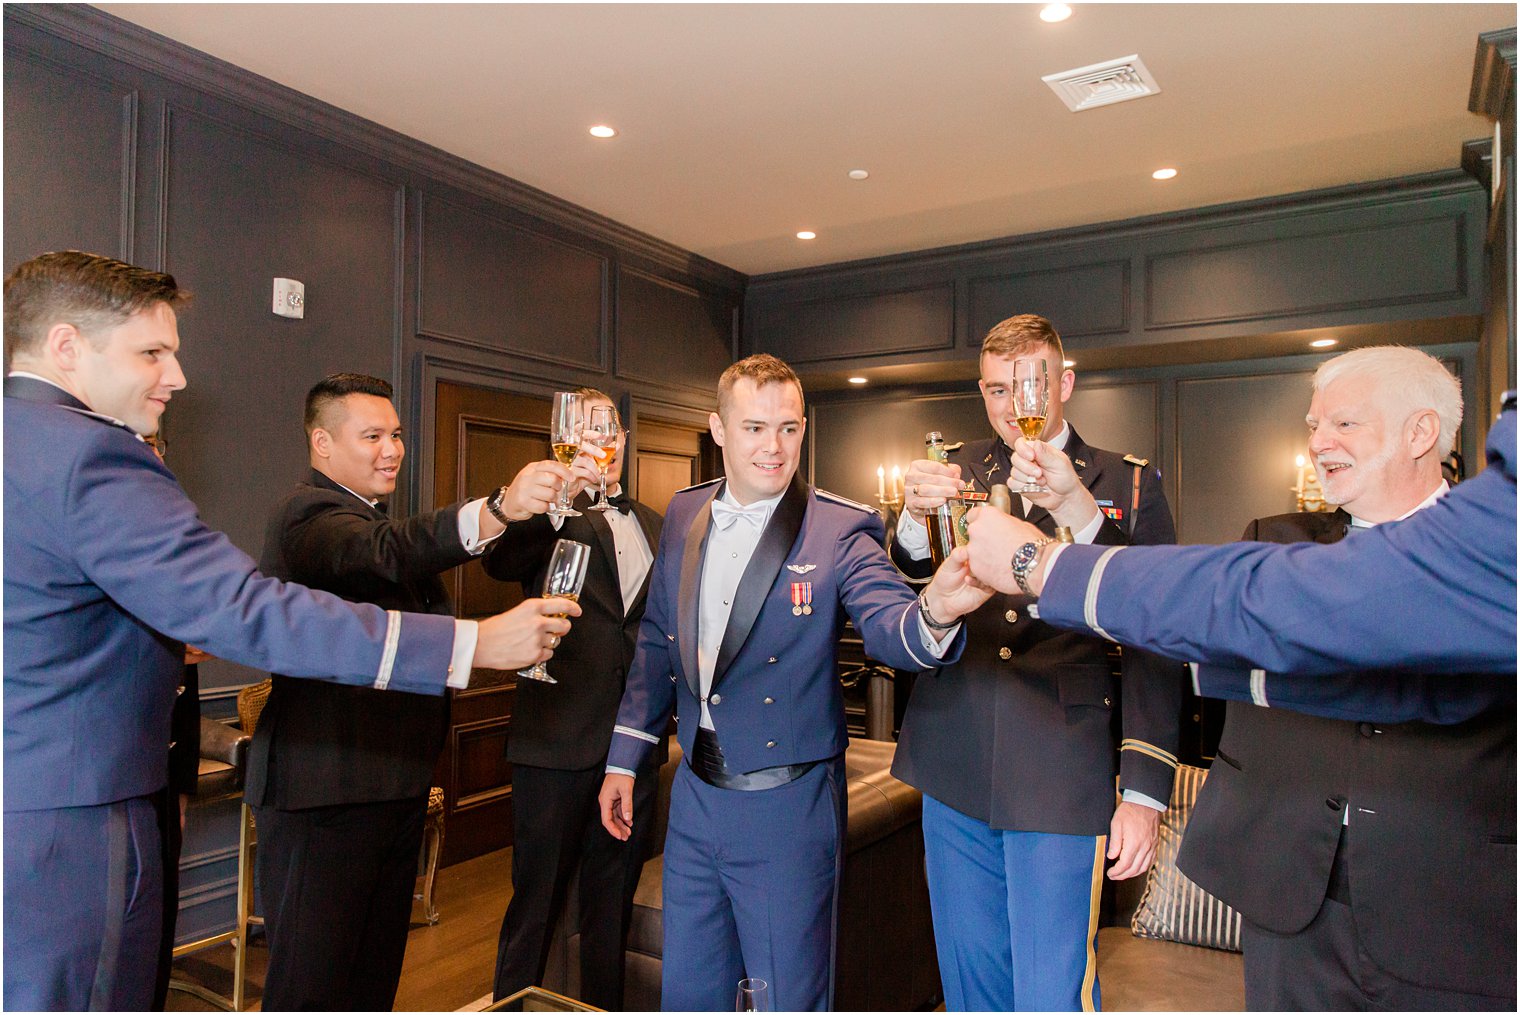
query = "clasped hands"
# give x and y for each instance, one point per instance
(995, 536)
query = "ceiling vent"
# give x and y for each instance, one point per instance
(1103, 84)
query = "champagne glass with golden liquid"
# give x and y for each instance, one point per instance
(565, 423)
(563, 580)
(1031, 400)
(601, 438)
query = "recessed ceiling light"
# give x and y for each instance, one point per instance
(857, 380)
(602, 130)
(807, 234)
(1055, 12)
(1322, 343)
(858, 174)
(1164, 174)
(1068, 363)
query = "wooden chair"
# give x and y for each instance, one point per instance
(432, 849)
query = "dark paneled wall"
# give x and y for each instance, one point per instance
(1398, 251)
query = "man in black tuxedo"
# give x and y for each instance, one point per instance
(559, 739)
(1365, 828)
(339, 775)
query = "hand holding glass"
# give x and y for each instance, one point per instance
(601, 439)
(563, 580)
(1031, 400)
(565, 425)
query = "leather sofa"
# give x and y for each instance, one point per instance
(886, 940)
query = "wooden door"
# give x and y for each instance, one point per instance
(482, 438)
(671, 455)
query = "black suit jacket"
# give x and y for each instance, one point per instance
(319, 743)
(1431, 836)
(1018, 733)
(569, 725)
(185, 729)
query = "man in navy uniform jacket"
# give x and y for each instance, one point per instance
(754, 578)
(108, 572)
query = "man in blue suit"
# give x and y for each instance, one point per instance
(108, 572)
(1433, 593)
(753, 581)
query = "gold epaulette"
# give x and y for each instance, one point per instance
(1137, 460)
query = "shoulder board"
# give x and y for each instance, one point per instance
(835, 498)
(103, 418)
(954, 447)
(698, 486)
(1137, 461)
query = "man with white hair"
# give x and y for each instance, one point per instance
(1372, 861)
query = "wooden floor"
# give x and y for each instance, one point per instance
(448, 966)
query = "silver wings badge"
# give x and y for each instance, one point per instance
(801, 568)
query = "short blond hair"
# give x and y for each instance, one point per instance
(590, 394)
(762, 369)
(1021, 335)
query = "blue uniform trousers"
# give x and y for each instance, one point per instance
(83, 904)
(1015, 914)
(751, 889)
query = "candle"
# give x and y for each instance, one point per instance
(1299, 461)
(881, 489)
(897, 488)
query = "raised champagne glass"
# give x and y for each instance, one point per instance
(565, 423)
(563, 580)
(754, 995)
(1031, 401)
(601, 438)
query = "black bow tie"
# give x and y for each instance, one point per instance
(620, 501)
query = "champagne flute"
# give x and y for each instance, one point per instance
(754, 995)
(563, 580)
(601, 438)
(565, 424)
(1031, 400)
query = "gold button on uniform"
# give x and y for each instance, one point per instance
(770, 743)
(1011, 616)
(771, 659)
(770, 701)
(1107, 702)
(1005, 652)
(716, 699)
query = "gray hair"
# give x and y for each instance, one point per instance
(1406, 378)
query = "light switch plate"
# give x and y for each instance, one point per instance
(289, 298)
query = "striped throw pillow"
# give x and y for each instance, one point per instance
(1174, 908)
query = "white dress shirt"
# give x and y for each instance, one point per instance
(633, 554)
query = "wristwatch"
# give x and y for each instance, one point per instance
(493, 505)
(1024, 560)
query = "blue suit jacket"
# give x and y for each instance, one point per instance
(775, 695)
(1432, 593)
(108, 571)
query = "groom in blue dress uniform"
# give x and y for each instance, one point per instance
(754, 579)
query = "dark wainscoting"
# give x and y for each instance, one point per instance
(1401, 250)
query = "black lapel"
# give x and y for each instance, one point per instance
(613, 597)
(687, 609)
(322, 481)
(760, 574)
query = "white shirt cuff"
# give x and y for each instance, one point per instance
(1089, 532)
(1133, 796)
(621, 771)
(936, 643)
(466, 634)
(912, 536)
(558, 521)
(469, 527)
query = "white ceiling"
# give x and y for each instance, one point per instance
(739, 122)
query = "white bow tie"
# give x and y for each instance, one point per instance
(724, 515)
